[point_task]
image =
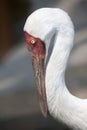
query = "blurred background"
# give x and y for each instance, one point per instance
(19, 107)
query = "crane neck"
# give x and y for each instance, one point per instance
(61, 103)
(56, 66)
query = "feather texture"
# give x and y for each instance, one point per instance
(46, 23)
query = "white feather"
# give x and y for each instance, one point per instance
(46, 23)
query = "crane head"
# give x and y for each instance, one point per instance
(38, 31)
(37, 51)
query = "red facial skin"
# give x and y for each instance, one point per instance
(38, 48)
(37, 51)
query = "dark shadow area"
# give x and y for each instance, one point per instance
(31, 122)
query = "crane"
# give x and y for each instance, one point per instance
(44, 27)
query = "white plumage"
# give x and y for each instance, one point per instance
(48, 24)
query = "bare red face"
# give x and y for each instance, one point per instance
(35, 46)
(37, 51)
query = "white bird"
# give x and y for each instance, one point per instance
(43, 27)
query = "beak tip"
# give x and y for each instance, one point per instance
(45, 114)
(44, 109)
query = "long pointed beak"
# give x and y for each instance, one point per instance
(38, 66)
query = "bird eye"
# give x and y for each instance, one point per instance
(33, 41)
